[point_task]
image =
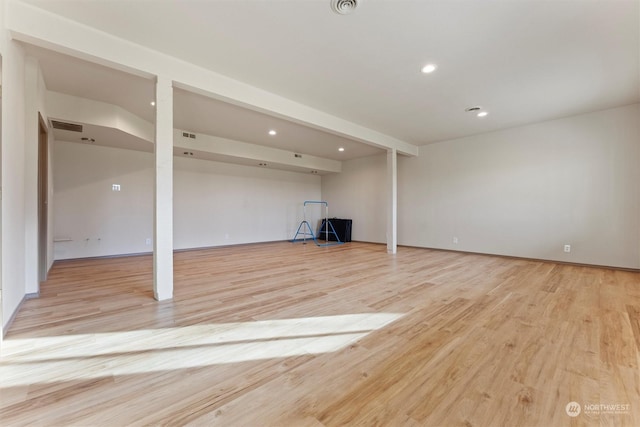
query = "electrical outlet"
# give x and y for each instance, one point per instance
(455, 240)
(115, 187)
(567, 248)
(147, 241)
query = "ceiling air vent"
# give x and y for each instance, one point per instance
(344, 7)
(73, 127)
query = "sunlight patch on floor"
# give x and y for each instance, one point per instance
(87, 356)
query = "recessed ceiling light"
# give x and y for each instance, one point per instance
(272, 132)
(153, 103)
(429, 68)
(341, 149)
(482, 114)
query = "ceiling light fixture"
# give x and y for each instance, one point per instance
(482, 114)
(272, 132)
(153, 103)
(341, 149)
(429, 68)
(344, 7)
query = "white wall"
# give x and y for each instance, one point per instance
(35, 94)
(2, 53)
(359, 193)
(100, 221)
(13, 155)
(220, 204)
(214, 203)
(524, 191)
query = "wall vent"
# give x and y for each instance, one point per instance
(189, 135)
(73, 127)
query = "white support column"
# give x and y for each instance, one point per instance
(392, 201)
(163, 192)
(32, 283)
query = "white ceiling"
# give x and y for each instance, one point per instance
(192, 112)
(201, 114)
(73, 76)
(523, 60)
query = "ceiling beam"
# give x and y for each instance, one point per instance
(36, 26)
(260, 155)
(89, 112)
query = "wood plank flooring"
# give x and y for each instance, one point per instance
(282, 334)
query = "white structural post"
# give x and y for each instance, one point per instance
(31, 154)
(163, 192)
(392, 201)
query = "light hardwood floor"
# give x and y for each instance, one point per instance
(297, 335)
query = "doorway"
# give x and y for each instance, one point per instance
(43, 196)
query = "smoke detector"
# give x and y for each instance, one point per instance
(344, 7)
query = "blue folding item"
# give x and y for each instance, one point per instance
(305, 230)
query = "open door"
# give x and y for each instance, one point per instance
(43, 193)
